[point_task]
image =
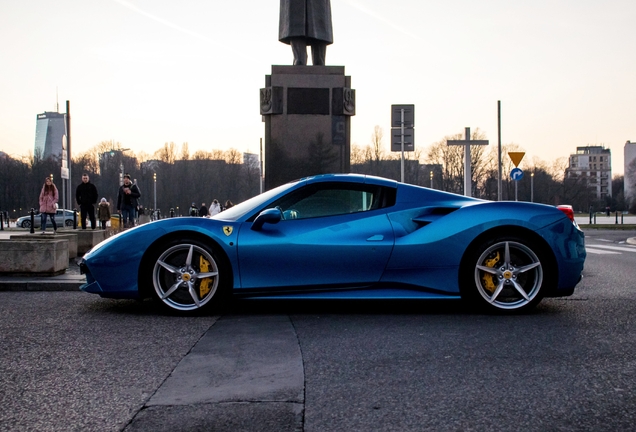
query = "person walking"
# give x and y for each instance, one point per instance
(48, 203)
(86, 197)
(103, 212)
(127, 201)
(203, 211)
(215, 208)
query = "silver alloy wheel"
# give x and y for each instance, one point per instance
(508, 275)
(26, 224)
(185, 277)
(68, 222)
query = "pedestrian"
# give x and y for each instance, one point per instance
(86, 197)
(215, 208)
(127, 201)
(103, 212)
(228, 204)
(194, 211)
(203, 211)
(48, 203)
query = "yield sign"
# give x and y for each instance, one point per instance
(516, 157)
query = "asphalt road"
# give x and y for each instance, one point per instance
(72, 361)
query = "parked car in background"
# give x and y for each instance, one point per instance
(62, 218)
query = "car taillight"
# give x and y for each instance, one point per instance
(567, 209)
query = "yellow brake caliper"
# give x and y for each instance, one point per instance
(204, 267)
(489, 279)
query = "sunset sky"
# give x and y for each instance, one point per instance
(146, 72)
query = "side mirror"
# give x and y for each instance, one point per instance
(271, 215)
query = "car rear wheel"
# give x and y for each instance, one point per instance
(187, 276)
(26, 224)
(68, 222)
(507, 275)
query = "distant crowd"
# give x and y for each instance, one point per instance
(128, 205)
(204, 211)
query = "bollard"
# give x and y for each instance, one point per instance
(171, 212)
(616, 217)
(590, 217)
(594, 218)
(32, 221)
(622, 215)
(74, 218)
(121, 224)
(1, 221)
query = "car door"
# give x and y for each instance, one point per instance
(59, 218)
(328, 238)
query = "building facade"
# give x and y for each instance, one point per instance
(50, 130)
(593, 164)
(629, 151)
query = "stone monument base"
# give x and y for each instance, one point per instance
(307, 112)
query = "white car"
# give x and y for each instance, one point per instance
(62, 218)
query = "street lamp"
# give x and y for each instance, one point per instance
(154, 177)
(532, 187)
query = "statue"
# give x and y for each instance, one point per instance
(306, 22)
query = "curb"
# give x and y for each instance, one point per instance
(20, 284)
(71, 280)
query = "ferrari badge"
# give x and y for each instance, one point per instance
(228, 230)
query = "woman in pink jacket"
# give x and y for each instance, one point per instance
(48, 203)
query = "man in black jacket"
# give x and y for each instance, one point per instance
(86, 197)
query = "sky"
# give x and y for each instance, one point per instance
(147, 72)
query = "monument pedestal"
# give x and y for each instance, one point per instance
(307, 114)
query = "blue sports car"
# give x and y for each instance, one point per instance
(347, 236)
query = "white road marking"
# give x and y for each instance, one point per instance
(615, 248)
(600, 252)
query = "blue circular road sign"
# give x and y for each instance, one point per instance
(516, 174)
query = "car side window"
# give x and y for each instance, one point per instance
(331, 199)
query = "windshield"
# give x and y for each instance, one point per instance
(240, 210)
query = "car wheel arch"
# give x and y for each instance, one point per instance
(528, 237)
(147, 261)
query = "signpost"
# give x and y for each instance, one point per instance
(402, 130)
(467, 168)
(516, 174)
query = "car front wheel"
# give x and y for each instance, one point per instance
(507, 275)
(26, 224)
(68, 222)
(187, 276)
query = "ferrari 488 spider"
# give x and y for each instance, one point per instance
(347, 236)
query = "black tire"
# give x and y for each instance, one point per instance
(26, 224)
(68, 223)
(506, 274)
(186, 276)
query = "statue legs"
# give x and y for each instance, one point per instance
(299, 49)
(318, 53)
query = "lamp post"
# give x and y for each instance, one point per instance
(532, 187)
(431, 174)
(154, 177)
